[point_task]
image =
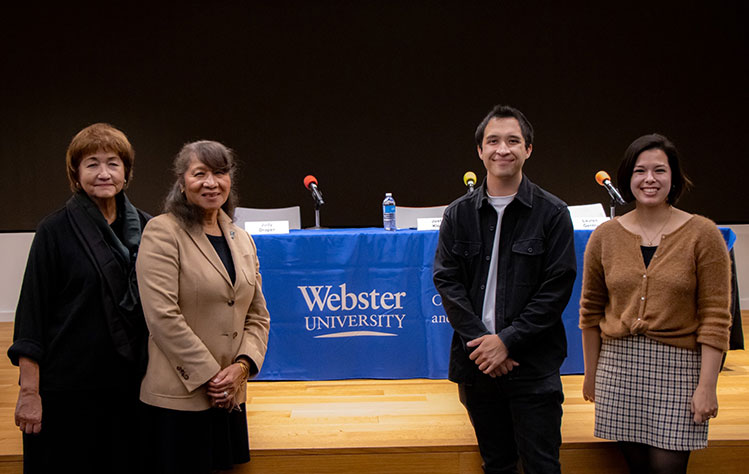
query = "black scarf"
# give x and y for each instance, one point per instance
(114, 260)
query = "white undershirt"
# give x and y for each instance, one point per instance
(499, 203)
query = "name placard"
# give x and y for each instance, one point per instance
(428, 223)
(587, 217)
(267, 227)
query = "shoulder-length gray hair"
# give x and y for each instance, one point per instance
(215, 156)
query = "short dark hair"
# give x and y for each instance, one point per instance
(215, 156)
(505, 111)
(95, 137)
(679, 180)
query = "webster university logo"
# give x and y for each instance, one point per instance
(336, 312)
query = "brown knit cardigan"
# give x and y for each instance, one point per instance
(682, 298)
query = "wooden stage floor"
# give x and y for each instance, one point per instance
(412, 426)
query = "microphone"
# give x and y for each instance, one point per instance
(310, 182)
(604, 180)
(469, 179)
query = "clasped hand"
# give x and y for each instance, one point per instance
(491, 355)
(223, 387)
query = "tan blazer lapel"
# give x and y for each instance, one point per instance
(204, 245)
(225, 222)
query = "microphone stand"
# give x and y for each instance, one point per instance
(603, 179)
(615, 199)
(317, 197)
(317, 216)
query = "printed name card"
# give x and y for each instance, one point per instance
(428, 223)
(267, 227)
(587, 217)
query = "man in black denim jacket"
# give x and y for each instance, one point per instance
(506, 359)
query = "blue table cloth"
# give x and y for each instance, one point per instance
(360, 303)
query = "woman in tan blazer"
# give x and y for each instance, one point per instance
(199, 281)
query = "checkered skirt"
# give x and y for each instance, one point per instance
(643, 394)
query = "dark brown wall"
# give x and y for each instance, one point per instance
(373, 96)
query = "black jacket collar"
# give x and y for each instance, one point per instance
(523, 196)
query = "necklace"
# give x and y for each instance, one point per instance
(644, 234)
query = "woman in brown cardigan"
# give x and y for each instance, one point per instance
(654, 314)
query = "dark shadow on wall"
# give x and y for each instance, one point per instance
(372, 97)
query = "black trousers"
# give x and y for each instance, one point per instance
(516, 419)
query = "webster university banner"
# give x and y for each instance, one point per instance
(354, 303)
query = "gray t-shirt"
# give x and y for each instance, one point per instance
(490, 297)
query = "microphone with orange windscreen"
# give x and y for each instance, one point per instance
(310, 182)
(604, 180)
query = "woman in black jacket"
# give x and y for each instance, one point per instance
(79, 336)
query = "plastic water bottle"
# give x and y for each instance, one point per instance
(388, 212)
